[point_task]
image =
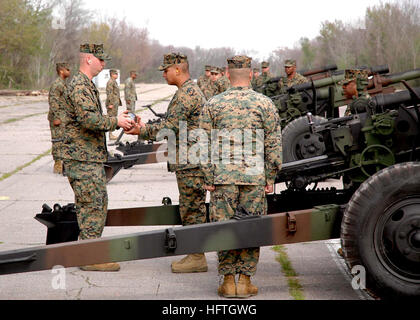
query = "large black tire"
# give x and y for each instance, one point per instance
(380, 231)
(299, 143)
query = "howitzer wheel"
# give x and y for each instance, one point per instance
(375, 158)
(299, 143)
(380, 231)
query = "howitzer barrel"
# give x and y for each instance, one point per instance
(391, 100)
(398, 77)
(336, 77)
(310, 72)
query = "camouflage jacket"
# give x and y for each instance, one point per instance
(253, 159)
(285, 82)
(112, 94)
(84, 122)
(221, 85)
(259, 81)
(202, 81)
(56, 111)
(181, 117)
(209, 89)
(130, 90)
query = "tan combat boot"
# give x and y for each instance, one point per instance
(191, 263)
(102, 267)
(228, 288)
(245, 288)
(58, 167)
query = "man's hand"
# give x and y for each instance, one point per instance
(209, 188)
(269, 189)
(135, 130)
(128, 101)
(110, 107)
(124, 121)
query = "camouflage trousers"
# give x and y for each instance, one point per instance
(131, 106)
(224, 201)
(88, 182)
(192, 196)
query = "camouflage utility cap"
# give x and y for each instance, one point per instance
(96, 49)
(256, 70)
(113, 71)
(290, 63)
(63, 65)
(215, 70)
(207, 68)
(265, 64)
(353, 75)
(239, 62)
(172, 58)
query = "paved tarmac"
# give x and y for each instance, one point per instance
(25, 136)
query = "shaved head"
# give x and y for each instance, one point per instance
(239, 75)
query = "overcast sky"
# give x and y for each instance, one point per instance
(258, 25)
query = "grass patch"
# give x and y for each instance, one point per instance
(8, 174)
(295, 288)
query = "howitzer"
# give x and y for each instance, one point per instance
(323, 97)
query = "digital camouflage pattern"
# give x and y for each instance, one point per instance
(96, 49)
(290, 63)
(285, 82)
(88, 182)
(221, 85)
(240, 108)
(192, 196)
(354, 74)
(223, 204)
(57, 101)
(239, 62)
(243, 108)
(203, 81)
(130, 94)
(112, 97)
(84, 122)
(185, 106)
(170, 59)
(261, 80)
(84, 151)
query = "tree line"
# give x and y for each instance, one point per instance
(33, 37)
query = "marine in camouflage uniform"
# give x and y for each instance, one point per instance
(221, 84)
(184, 109)
(354, 85)
(255, 75)
(262, 79)
(294, 79)
(130, 94)
(241, 185)
(113, 99)
(84, 149)
(204, 79)
(56, 114)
